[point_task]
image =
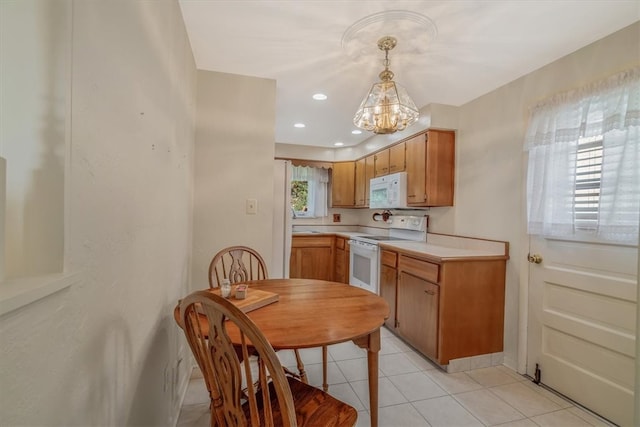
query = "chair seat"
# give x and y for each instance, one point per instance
(313, 406)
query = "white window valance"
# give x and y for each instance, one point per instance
(609, 110)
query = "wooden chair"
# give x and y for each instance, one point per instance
(242, 263)
(238, 264)
(239, 395)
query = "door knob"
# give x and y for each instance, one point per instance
(534, 259)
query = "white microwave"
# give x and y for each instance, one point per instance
(388, 192)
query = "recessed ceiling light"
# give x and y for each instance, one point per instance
(299, 125)
(338, 144)
(319, 96)
(356, 132)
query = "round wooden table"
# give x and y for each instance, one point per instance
(316, 313)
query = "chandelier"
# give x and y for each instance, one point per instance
(387, 108)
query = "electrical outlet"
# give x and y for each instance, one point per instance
(336, 217)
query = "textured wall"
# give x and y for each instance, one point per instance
(234, 152)
(106, 351)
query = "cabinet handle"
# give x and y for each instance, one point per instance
(430, 292)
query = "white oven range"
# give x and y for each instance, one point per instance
(364, 259)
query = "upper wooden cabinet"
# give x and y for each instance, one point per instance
(430, 166)
(397, 158)
(391, 160)
(343, 184)
(428, 158)
(382, 163)
(361, 187)
(369, 164)
(365, 170)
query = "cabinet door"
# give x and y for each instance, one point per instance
(343, 184)
(388, 285)
(369, 172)
(430, 165)
(294, 264)
(382, 163)
(316, 263)
(342, 260)
(417, 313)
(339, 274)
(361, 187)
(312, 257)
(440, 168)
(416, 156)
(396, 158)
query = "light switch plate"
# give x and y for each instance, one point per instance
(252, 206)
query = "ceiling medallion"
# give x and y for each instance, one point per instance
(416, 31)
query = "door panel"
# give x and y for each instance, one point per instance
(582, 305)
(418, 319)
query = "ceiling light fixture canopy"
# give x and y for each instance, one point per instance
(387, 108)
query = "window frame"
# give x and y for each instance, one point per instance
(310, 205)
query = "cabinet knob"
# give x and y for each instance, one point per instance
(430, 292)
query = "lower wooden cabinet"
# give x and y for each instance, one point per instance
(388, 284)
(341, 273)
(417, 319)
(446, 309)
(312, 257)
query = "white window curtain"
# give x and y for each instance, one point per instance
(318, 178)
(609, 109)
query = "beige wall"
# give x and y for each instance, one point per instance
(106, 350)
(490, 197)
(3, 210)
(235, 147)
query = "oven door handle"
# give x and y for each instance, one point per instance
(362, 246)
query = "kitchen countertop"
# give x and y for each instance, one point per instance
(347, 234)
(440, 253)
(438, 248)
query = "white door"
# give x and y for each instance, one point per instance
(581, 328)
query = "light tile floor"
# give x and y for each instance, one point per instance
(414, 392)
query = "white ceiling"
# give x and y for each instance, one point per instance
(480, 45)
